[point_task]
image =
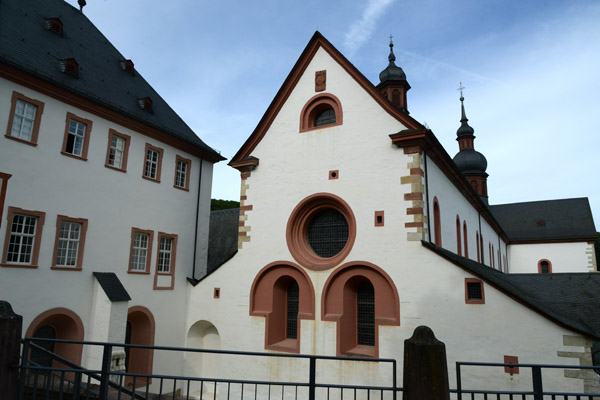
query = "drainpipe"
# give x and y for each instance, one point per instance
(427, 196)
(197, 215)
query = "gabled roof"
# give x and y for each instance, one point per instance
(571, 300)
(549, 220)
(112, 286)
(27, 45)
(317, 42)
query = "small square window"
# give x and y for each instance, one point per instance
(334, 174)
(379, 218)
(152, 163)
(117, 151)
(182, 173)
(141, 251)
(77, 137)
(24, 119)
(474, 293)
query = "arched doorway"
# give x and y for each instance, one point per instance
(203, 335)
(57, 323)
(140, 330)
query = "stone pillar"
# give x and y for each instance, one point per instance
(10, 343)
(425, 367)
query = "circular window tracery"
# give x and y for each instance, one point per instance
(321, 231)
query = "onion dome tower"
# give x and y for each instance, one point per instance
(469, 161)
(393, 85)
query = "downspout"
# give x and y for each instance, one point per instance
(427, 196)
(197, 215)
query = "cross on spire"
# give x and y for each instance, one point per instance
(461, 87)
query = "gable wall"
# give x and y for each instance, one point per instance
(564, 257)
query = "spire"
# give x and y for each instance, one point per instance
(393, 84)
(465, 130)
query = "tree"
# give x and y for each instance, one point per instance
(218, 204)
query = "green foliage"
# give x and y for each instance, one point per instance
(218, 204)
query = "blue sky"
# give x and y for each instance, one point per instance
(531, 71)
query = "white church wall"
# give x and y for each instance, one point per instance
(563, 257)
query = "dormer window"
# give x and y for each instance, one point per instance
(127, 65)
(70, 66)
(145, 104)
(55, 25)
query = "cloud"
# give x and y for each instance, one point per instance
(361, 29)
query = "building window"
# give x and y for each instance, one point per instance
(320, 111)
(321, 231)
(482, 249)
(165, 261)
(325, 117)
(291, 331)
(465, 236)
(182, 173)
(458, 243)
(477, 243)
(283, 294)
(77, 137)
(152, 163)
(359, 297)
(24, 119)
(437, 224)
(365, 314)
(544, 267)
(69, 243)
(141, 251)
(117, 151)
(474, 293)
(23, 236)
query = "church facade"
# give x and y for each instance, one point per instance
(356, 226)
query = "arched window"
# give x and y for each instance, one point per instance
(322, 110)
(291, 330)
(466, 239)
(491, 253)
(282, 293)
(365, 314)
(544, 267)
(437, 223)
(325, 117)
(482, 249)
(458, 243)
(477, 243)
(42, 357)
(359, 297)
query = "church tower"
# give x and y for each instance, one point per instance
(393, 84)
(469, 161)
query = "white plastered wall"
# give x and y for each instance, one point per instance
(113, 202)
(431, 290)
(564, 257)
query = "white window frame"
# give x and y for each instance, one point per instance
(78, 137)
(20, 236)
(18, 121)
(67, 251)
(139, 252)
(165, 251)
(116, 152)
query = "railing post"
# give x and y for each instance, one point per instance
(105, 372)
(10, 343)
(395, 380)
(458, 382)
(538, 389)
(24, 370)
(312, 374)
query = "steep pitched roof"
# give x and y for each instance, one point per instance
(316, 42)
(570, 299)
(27, 45)
(549, 220)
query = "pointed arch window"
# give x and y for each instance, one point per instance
(437, 225)
(458, 242)
(465, 236)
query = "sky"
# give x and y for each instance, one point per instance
(530, 68)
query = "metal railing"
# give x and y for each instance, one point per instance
(70, 381)
(536, 392)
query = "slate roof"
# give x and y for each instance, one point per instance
(112, 286)
(570, 299)
(222, 237)
(25, 43)
(546, 220)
